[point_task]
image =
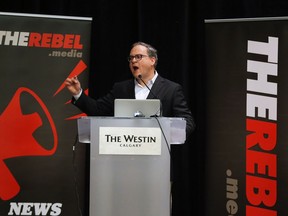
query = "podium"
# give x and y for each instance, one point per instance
(130, 163)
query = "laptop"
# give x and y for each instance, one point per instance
(137, 107)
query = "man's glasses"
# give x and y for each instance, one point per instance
(137, 57)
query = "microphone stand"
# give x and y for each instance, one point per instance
(140, 77)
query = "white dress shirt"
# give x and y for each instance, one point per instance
(142, 92)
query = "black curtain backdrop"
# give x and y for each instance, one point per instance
(176, 29)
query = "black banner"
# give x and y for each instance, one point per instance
(40, 172)
(247, 117)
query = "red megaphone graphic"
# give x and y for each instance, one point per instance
(17, 139)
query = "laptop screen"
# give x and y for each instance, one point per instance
(136, 107)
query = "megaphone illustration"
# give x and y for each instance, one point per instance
(18, 138)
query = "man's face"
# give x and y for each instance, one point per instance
(141, 63)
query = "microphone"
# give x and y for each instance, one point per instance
(140, 77)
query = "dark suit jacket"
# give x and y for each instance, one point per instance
(170, 94)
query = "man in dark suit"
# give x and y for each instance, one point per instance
(143, 60)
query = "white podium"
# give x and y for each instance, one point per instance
(130, 163)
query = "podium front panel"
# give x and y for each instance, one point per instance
(129, 185)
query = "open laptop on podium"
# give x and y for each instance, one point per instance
(137, 107)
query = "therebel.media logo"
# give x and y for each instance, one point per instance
(64, 45)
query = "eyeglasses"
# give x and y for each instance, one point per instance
(137, 57)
